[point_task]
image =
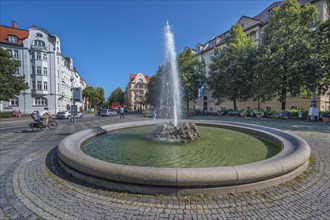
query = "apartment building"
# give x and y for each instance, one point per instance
(136, 89)
(253, 28)
(50, 75)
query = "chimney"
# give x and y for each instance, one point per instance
(13, 24)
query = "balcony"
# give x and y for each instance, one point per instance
(37, 47)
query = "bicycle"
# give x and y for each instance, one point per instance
(38, 123)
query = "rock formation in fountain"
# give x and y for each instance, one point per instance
(182, 133)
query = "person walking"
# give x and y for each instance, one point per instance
(155, 114)
(122, 112)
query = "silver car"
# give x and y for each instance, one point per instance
(108, 112)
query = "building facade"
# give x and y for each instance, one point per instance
(253, 28)
(136, 89)
(50, 75)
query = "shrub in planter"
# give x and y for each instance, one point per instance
(6, 114)
(325, 116)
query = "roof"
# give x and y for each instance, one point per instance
(263, 17)
(5, 32)
(132, 77)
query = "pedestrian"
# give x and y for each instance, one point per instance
(155, 115)
(122, 112)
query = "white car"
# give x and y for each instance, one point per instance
(79, 114)
(63, 114)
(68, 115)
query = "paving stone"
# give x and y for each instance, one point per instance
(34, 186)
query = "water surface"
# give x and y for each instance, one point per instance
(216, 147)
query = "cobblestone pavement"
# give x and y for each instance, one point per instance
(33, 186)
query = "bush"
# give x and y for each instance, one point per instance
(325, 114)
(146, 114)
(6, 114)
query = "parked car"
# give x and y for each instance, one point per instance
(68, 115)
(79, 114)
(63, 114)
(99, 111)
(108, 112)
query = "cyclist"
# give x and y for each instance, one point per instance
(45, 115)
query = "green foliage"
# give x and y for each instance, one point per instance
(117, 96)
(6, 114)
(285, 61)
(11, 85)
(232, 69)
(192, 73)
(323, 77)
(95, 96)
(153, 89)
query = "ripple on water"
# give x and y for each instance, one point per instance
(216, 147)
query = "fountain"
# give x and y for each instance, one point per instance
(228, 157)
(171, 101)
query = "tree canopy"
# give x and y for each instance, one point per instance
(11, 84)
(286, 63)
(95, 96)
(192, 73)
(117, 95)
(231, 69)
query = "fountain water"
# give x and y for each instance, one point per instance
(171, 84)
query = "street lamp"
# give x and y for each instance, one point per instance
(313, 110)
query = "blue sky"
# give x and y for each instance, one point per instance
(108, 40)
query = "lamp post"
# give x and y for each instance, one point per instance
(313, 110)
(73, 114)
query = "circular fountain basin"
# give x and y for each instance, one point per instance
(287, 164)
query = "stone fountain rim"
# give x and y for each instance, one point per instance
(290, 162)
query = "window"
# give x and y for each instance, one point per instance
(40, 101)
(58, 87)
(141, 92)
(12, 39)
(38, 35)
(15, 54)
(39, 43)
(294, 107)
(268, 108)
(38, 55)
(39, 70)
(39, 86)
(13, 102)
(58, 74)
(45, 85)
(58, 60)
(33, 84)
(44, 56)
(212, 43)
(10, 52)
(45, 71)
(17, 70)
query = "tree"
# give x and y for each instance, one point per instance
(153, 93)
(192, 73)
(11, 85)
(99, 97)
(323, 76)
(286, 64)
(95, 97)
(232, 68)
(117, 96)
